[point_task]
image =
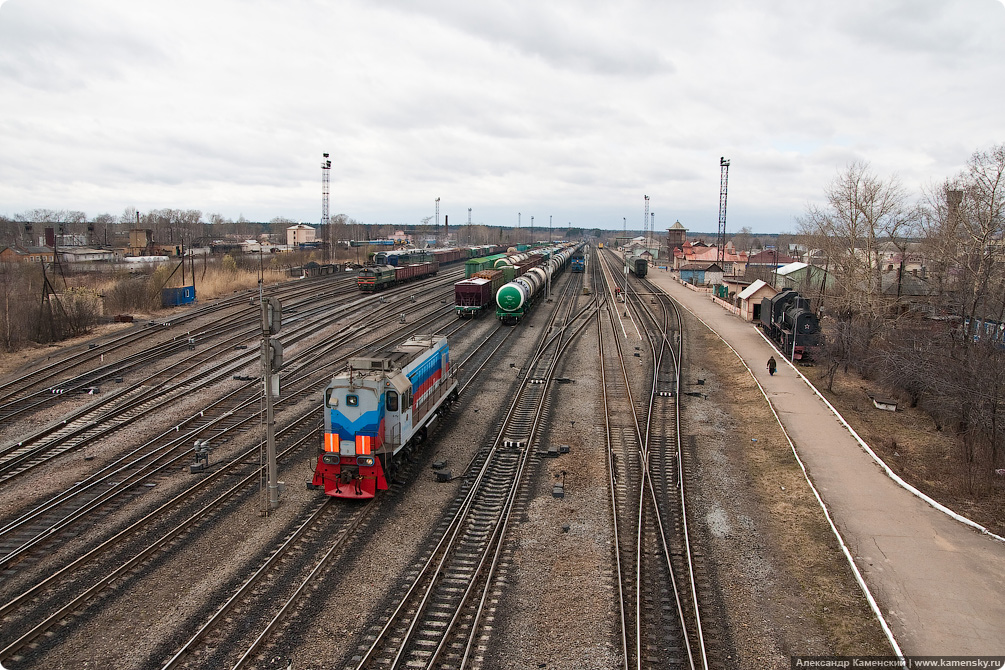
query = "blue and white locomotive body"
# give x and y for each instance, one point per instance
(377, 407)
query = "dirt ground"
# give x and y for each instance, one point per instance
(786, 585)
(910, 444)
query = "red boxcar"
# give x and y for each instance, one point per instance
(414, 271)
(471, 295)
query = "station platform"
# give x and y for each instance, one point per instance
(939, 583)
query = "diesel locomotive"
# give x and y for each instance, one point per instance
(578, 263)
(378, 407)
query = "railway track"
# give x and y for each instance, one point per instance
(41, 387)
(51, 521)
(292, 574)
(660, 613)
(438, 621)
(172, 382)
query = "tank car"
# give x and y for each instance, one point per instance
(515, 298)
(512, 259)
(375, 409)
(788, 320)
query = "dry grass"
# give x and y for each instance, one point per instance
(139, 297)
(909, 443)
(800, 534)
(217, 282)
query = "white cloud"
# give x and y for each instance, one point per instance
(571, 108)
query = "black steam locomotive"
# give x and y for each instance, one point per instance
(788, 320)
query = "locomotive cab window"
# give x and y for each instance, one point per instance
(352, 400)
(391, 401)
(406, 401)
(330, 400)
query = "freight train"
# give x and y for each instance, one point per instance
(471, 297)
(442, 256)
(788, 321)
(514, 299)
(378, 407)
(378, 277)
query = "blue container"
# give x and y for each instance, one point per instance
(173, 297)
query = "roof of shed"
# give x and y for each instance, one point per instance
(792, 267)
(752, 289)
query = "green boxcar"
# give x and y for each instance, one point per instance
(478, 264)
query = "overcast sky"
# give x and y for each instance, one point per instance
(574, 110)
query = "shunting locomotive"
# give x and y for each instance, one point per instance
(376, 408)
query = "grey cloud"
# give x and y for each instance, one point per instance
(580, 39)
(56, 46)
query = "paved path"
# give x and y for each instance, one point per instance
(939, 583)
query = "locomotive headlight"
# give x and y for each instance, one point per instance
(365, 461)
(330, 459)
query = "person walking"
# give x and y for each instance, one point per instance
(771, 366)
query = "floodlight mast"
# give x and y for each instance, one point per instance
(645, 224)
(326, 168)
(721, 239)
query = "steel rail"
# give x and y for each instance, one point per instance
(80, 600)
(504, 526)
(157, 453)
(449, 539)
(611, 467)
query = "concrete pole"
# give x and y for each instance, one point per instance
(270, 420)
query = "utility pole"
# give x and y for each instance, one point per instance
(532, 229)
(721, 240)
(549, 229)
(518, 227)
(326, 168)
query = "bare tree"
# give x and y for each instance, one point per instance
(861, 209)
